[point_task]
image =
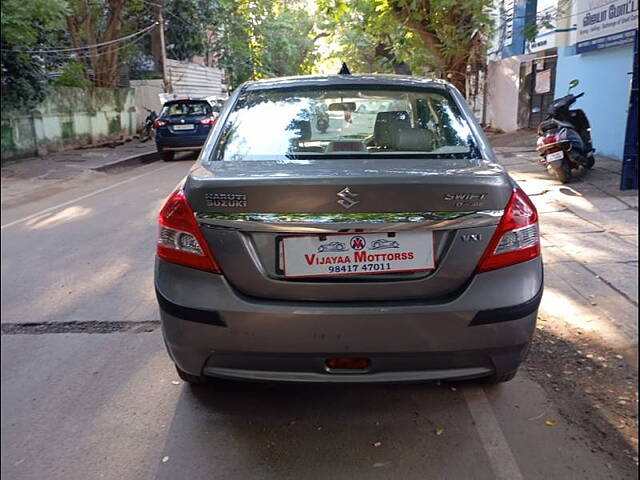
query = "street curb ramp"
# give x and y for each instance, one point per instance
(139, 158)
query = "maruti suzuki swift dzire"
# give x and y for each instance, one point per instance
(389, 246)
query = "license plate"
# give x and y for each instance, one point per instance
(183, 127)
(357, 254)
(555, 156)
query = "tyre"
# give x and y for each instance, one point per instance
(167, 156)
(499, 378)
(591, 161)
(562, 173)
(187, 377)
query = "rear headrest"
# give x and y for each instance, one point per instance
(387, 124)
(413, 140)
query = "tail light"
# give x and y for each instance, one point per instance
(180, 239)
(517, 238)
(549, 142)
(159, 123)
(209, 120)
(551, 137)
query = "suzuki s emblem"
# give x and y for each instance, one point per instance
(347, 198)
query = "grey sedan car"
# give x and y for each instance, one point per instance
(245, 292)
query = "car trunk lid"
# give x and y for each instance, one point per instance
(246, 209)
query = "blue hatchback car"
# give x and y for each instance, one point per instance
(183, 125)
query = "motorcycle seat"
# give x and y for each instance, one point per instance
(553, 124)
(547, 125)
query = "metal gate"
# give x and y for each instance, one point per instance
(629, 177)
(193, 80)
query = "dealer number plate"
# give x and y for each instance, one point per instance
(357, 254)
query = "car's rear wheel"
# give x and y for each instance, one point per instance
(167, 156)
(187, 377)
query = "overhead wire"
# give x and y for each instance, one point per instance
(84, 47)
(106, 51)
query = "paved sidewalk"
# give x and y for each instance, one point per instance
(34, 178)
(585, 349)
(589, 231)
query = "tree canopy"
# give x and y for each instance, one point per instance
(27, 25)
(440, 37)
(250, 39)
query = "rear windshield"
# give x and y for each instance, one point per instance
(178, 109)
(329, 123)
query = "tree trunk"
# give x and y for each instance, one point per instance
(83, 31)
(451, 68)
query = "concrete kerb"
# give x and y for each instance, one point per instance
(141, 158)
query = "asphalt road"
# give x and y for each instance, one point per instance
(82, 402)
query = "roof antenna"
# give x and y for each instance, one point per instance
(344, 70)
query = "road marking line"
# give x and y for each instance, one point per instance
(64, 204)
(501, 457)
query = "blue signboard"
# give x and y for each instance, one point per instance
(605, 23)
(614, 40)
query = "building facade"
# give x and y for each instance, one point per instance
(588, 40)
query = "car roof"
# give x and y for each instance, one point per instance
(345, 80)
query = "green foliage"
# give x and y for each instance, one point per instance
(23, 81)
(251, 38)
(26, 24)
(438, 36)
(24, 21)
(265, 39)
(73, 76)
(191, 26)
(283, 42)
(233, 45)
(368, 37)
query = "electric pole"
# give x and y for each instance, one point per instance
(165, 73)
(158, 47)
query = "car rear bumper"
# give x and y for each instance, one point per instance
(171, 143)
(211, 329)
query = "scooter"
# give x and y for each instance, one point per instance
(564, 138)
(148, 129)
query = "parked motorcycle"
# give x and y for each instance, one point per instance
(564, 138)
(148, 131)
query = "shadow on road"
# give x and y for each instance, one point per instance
(250, 430)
